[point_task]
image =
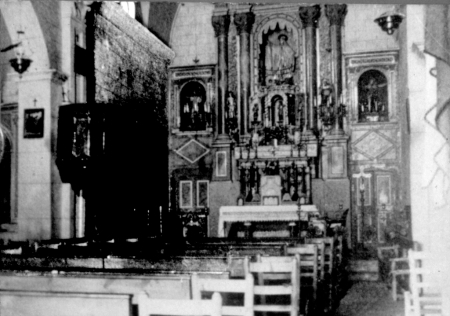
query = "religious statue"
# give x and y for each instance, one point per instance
(372, 91)
(280, 61)
(230, 116)
(231, 105)
(280, 106)
(255, 113)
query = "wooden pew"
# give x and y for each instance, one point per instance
(326, 261)
(233, 291)
(172, 307)
(309, 275)
(276, 277)
(25, 302)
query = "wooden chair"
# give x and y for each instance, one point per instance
(309, 275)
(422, 299)
(277, 277)
(223, 286)
(326, 259)
(392, 266)
(147, 306)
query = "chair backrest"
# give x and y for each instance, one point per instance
(425, 298)
(309, 270)
(276, 270)
(223, 286)
(147, 306)
(328, 257)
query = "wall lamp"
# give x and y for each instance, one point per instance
(389, 21)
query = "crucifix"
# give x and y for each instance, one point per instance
(362, 188)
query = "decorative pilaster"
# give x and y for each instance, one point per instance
(309, 16)
(244, 22)
(222, 144)
(221, 24)
(336, 15)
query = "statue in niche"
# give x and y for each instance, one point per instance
(231, 105)
(193, 107)
(372, 91)
(373, 96)
(279, 61)
(230, 115)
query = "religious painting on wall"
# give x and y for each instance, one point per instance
(384, 190)
(202, 193)
(33, 126)
(221, 166)
(279, 57)
(186, 194)
(372, 97)
(337, 161)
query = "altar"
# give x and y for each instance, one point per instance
(290, 213)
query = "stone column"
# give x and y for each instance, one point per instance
(336, 15)
(244, 22)
(221, 24)
(309, 15)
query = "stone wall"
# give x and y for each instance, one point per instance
(130, 62)
(129, 69)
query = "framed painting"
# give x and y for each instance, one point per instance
(203, 193)
(33, 126)
(186, 194)
(384, 190)
(221, 164)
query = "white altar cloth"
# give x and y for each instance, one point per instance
(261, 213)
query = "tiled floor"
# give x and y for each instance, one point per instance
(369, 299)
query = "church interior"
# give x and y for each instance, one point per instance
(153, 151)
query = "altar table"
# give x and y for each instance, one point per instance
(262, 213)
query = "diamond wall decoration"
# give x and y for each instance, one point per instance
(372, 145)
(192, 151)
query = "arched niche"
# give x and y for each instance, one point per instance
(277, 43)
(373, 97)
(195, 111)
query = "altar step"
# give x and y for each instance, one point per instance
(363, 270)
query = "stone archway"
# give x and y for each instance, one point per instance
(21, 16)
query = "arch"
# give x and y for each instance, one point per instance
(21, 16)
(284, 21)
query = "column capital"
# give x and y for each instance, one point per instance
(336, 13)
(309, 15)
(221, 24)
(244, 22)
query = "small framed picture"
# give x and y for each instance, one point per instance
(221, 164)
(33, 126)
(186, 194)
(202, 193)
